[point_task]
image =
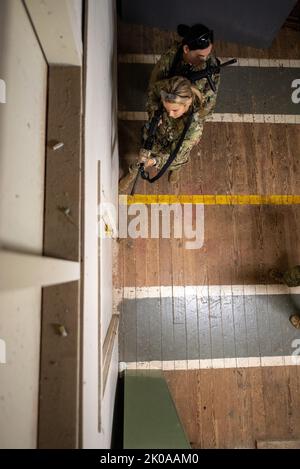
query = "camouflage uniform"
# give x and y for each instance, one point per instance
(168, 135)
(292, 277)
(170, 130)
(161, 72)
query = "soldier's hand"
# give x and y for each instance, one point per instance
(144, 155)
(150, 162)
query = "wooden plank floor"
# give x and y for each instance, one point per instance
(232, 158)
(249, 242)
(220, 408)
(234, 408)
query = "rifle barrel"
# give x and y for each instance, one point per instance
(229, 62)
(136, 180)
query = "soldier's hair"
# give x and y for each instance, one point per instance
(190, 34)
(180, 90)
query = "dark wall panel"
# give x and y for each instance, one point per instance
(251, 22)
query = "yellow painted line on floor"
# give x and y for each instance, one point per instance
(169, 199)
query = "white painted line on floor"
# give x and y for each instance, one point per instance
(290, 360)
(214, 363)
(178, 292)
(138, 58)
(261, 289)
(154, 292)
(148, 365)
(273, 361)
(203, 291)
(215, 290)
(193, 364)
(168, 365)
(249, 290)
(236, 290)
(123, 366)
(259, 119)
(140, 292)
(130, 293)
(242, 362)
(205, 364)
(241, 61)
(276, 289)
(180, 364)
(230, 363)
(217, 363)
(225, 117)
(166, 292)
(156, 364)
(254, 362)
(117, 298)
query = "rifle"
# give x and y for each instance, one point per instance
(208, 73)
(140, 170)
(147, 144)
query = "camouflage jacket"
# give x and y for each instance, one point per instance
(292, 277)
(168, 135)
(161, 71)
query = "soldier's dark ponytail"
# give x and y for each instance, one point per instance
(183, 30)
(191, 34)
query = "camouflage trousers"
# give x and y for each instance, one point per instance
(292, 277)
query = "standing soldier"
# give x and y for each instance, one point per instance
(192, 54)
(180, 121)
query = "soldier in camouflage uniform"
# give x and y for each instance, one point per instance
(191, 54)
(291, 278)
(180, 99)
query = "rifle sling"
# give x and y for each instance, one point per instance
(145, 174)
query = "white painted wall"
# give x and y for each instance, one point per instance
(22, 159)
(77, 7)
(20, 321)
(101, 131)
(59, 26)
(22, 131)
